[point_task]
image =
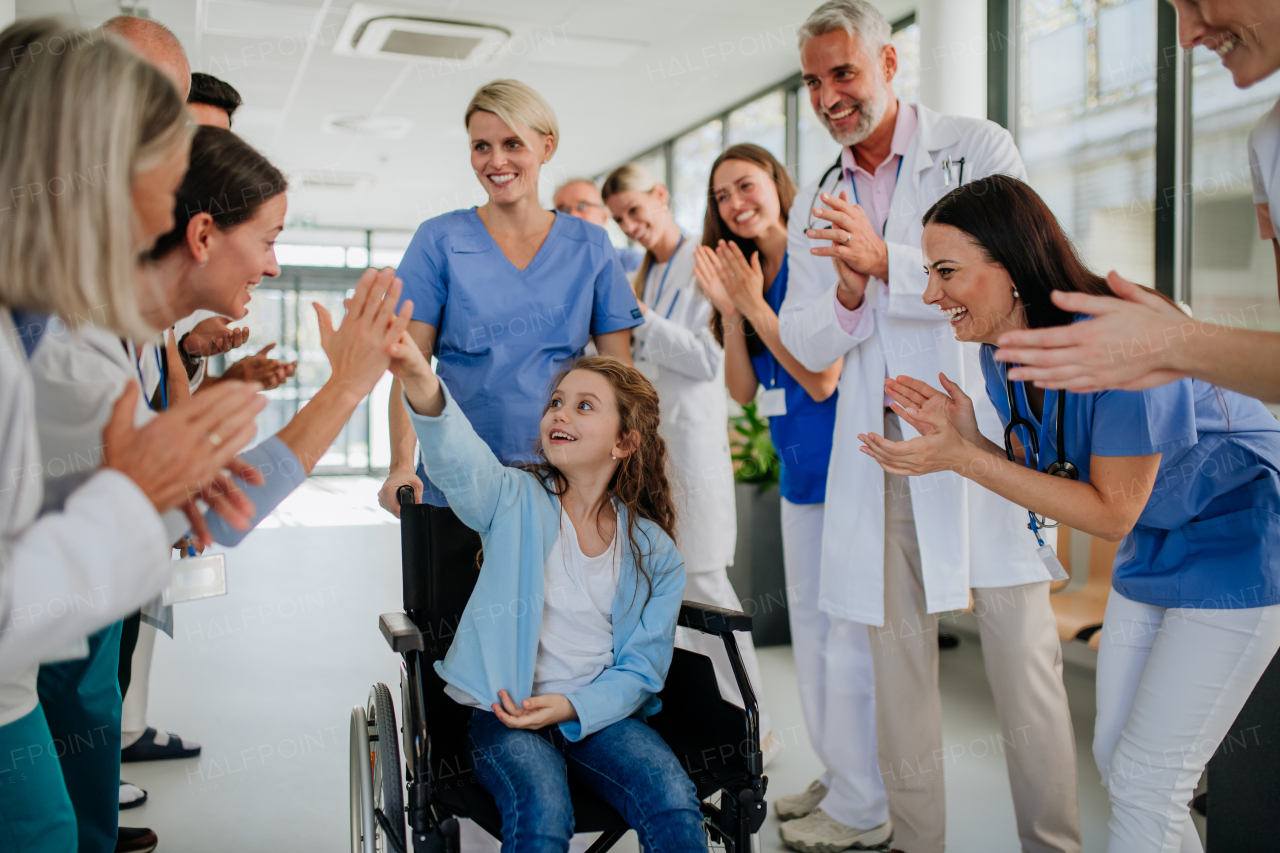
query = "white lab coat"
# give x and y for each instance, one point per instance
(69, 573)
(674, 347)
(968, 536)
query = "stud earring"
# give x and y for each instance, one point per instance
(614, 458)
(1015, 294)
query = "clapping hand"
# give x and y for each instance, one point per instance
(213, 336)
(259, 367)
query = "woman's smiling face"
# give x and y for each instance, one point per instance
(975, 292)
(505, 164)
(746, 197)
(1244, 33)
(239, 258)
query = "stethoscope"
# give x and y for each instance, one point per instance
(1059, 468)
(662, 283)
(838, 166)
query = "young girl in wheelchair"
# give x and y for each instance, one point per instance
(568, 635)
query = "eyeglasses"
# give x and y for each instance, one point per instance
(579, 207)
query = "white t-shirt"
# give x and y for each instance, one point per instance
(1264, 167)
(576, 642)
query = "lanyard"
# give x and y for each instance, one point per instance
(853, 183)
(662, 283)
(142, 383)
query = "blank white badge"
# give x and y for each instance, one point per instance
(196, 577)
(773, 403)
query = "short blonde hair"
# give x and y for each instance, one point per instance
(628, 178)
(516, 103)
(80, 116)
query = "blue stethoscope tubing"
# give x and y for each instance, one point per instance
(1061, 467)
(662, 283)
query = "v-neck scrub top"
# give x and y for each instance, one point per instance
(1209, 536)
(504, 333)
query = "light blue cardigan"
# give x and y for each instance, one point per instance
(518, 520)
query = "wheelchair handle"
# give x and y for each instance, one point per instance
(404, 495)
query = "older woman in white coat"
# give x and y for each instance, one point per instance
(676, 350)
(71, 572)
(895, 552)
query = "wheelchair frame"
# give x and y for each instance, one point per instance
(432, 823)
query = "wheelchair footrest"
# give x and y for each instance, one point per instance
(401, 634)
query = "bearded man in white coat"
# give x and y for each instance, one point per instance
(895, 552)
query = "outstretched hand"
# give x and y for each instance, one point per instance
(536, 712)
(360, 351)
(1130, 343)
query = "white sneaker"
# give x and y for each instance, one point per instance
(799, 805)
(820, 833)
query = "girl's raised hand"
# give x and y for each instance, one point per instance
(536, 712)
(421, 386)
(707, 269)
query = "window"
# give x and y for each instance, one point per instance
(1086, 124)
(906, 83)
(1233, 271)
(694, 154)
(764, 122)
(656, 162)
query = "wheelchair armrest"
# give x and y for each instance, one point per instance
(710, 619)
(402, 635)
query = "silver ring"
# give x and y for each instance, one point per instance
(847, 237)
(213, 438)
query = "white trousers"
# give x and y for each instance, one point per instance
(836, 679)
(713, 587)
(133, 715)
(1170, 684)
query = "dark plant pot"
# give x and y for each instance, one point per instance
(757, 574)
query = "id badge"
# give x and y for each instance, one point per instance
(1051, 562)
(772, 403)
(195, 578)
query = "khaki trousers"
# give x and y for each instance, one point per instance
(1024, 667)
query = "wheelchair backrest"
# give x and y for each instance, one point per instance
(439, 571)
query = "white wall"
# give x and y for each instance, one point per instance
(953, 56)
(8, 13)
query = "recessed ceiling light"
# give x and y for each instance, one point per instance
(378, 127)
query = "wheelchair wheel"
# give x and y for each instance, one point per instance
(362, 820)
(384, 759)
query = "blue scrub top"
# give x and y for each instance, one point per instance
(802, 437)
(504, 333)
(630, 259)
(1207, 535)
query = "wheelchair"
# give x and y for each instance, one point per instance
(717, 742)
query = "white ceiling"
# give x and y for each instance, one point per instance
(687, 60)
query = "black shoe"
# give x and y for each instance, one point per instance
(947, 641)
(128, 799)
(130, 840)
(146, 748)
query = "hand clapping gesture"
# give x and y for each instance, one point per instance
(856, 252)
(946, 422)
(729, 280)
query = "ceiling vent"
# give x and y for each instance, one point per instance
(385, 32)
(371, 127)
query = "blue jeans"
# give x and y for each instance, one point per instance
(627, 765)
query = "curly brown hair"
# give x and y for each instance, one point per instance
(640, 481)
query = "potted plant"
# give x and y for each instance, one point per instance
(757, 572)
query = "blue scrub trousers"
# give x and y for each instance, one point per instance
(35, 812)
(81, 701)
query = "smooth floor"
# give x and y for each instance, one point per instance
(266, 676)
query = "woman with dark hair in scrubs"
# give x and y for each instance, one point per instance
(506, 293)
(1186, 476)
